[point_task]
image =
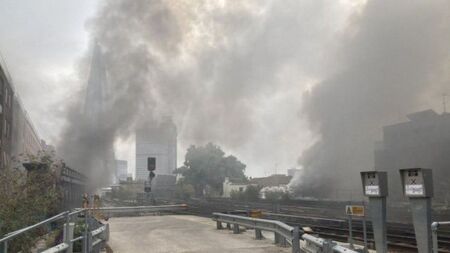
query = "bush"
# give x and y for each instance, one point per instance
(27, 198)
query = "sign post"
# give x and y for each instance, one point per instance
(374, 185)
(357, 211)
(418, 187)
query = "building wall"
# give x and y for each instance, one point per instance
(160, 142)
(121, 170)
(423, 141)
(25, 140)
(229, 187)
(6, 117)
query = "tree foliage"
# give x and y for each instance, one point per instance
(27, 198)
(208, 166)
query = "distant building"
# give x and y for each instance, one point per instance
(423, 141)
(292, 172)
(25, 139)
(230, 185)
(121, 170)
(276, 180)
(6, 117)
(159, 141)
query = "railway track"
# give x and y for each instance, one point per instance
(401, 236)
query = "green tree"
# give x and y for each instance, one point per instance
(208, 166)
(27, 198)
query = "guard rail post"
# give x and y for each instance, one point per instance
(4, 247)
(276, 238)
(68, 233)
(258, 234)
(219, 225)
(236, 229)
(434, 230)
(68, 236)
(85, 233)
(296, 240)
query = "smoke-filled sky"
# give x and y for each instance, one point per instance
(279, 84)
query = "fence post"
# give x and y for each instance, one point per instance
(219, 225)
(277, 238)
(296, 240)
(4, 247)
(68, 235)
(434, 230)
(258, 234)
(85, 234)
(236, 229)
(228, 226)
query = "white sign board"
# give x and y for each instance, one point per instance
(372, 190)
(414, 189)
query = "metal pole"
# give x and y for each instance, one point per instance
(421, 212)
(434, 230)
(85, 236)
(365, 233)
(350, 231)
(5, 247)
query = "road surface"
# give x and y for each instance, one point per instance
(182, 233)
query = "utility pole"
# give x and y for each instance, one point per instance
(444, 102)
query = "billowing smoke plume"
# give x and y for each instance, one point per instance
(220, 69)
(233, 72)
(392, 59)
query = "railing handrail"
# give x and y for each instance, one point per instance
(278, 227)
(434, 233)
(13, 234)
(141, 208)
(250, 219)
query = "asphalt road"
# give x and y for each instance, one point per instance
(182, 233)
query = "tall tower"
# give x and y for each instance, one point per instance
(96, 104)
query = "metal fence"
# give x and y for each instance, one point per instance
(434, 230)
(284, 234)
(95, 234)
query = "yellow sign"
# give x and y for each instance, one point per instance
(355, 210)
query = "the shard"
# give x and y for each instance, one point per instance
(95, 108)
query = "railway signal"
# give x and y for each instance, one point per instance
(417, 185)
(375, 187)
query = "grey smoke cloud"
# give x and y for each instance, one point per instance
(392, 59)
(217, 68)
(235, 73)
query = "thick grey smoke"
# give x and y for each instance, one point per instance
(214, 67)
(392, 59)
(233, 72)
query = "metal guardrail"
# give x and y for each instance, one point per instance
(434, 230)
(91, 240)
(142, 209)
(284, 234)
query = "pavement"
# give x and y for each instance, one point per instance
(183, 233)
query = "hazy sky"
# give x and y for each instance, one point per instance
(255, 61)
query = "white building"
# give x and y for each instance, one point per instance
(159, 141)
(121, 170)
(230, 186)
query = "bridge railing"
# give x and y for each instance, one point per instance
(284, 234)
(95, 234)
(434, 230)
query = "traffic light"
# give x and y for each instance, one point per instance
(151, 163)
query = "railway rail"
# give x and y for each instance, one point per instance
(401, 237)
